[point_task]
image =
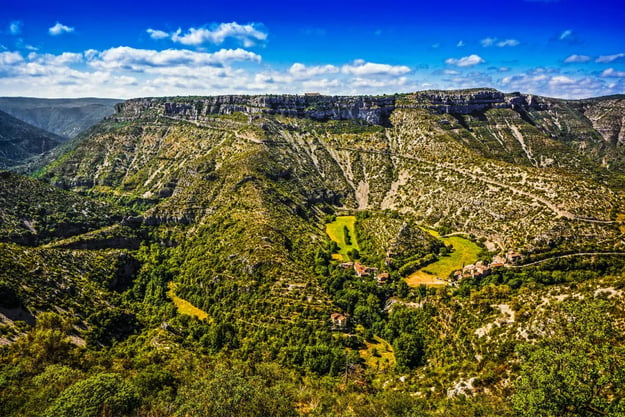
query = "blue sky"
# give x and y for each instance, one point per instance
(559, 48)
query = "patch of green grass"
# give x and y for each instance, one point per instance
(378, 354)
(183, 306)
(336, 232)
(464, 252)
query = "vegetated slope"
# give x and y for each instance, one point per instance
(80, 286)
(475, 161)
(64, 117)
(33, 212)
(20, 141)
(234, 193)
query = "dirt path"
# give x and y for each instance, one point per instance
(571, 255)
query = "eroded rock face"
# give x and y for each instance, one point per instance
(607, 118)
(370, 109)
(373, 110)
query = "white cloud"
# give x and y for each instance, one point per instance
(59, 29)
(248, 35)
(561, 80)
(361, 68)
(65, 58)
(460, 44)
(128, 58)
(567, 34)
(611, 72)
(157, 34)
(576, 59)
(451, 72)
(508, 42)
(10, 58)
(15, 27)
(436, 45)
(609, 58)
(466, 61)
(487, 42)
(303, 71)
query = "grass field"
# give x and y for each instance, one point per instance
(621, 219)
(335, 231)
(378, 355)
(465, 253)
(183, 306)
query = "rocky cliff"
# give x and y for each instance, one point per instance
(370, 109)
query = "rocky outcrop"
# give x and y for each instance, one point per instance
(373, 110)
(370, 109)
(607, 117)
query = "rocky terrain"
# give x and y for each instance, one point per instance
(523, 172)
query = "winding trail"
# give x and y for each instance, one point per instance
(570, 255)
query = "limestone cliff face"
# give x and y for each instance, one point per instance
(469, 101)
(607, 117)
(370, 109)
(373, 110)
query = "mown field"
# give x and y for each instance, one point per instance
(464, 252)
(336, 232)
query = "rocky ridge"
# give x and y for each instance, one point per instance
(370, 109)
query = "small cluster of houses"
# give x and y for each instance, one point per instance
(482, 269)
(366, 271)
(339, 321)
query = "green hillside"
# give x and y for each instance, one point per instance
(180, 258)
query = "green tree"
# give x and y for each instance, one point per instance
(409, 349)
(228, 392)
(578, 370)
(100, 395)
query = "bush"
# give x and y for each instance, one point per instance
(102, 394)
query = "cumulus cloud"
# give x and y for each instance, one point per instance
(576, 59)
(611, 72)
(609, 58)
(361, 68)
(460, 44)
(466, 61)
(15, 27)
(65, 58)
(128, 58)
(486, 42)
(248, 35)
(561, 80)
(303, 71)
(59, 29)
(157, 34)
(10, 58)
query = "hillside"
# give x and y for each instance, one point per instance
(482, 163)
(20, 141)
(180, 257)
(63, 117)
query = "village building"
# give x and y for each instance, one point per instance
(498, 261)
(513, 257)
(363, 270)
(346, 265)
(339, 321)
(383, 278)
